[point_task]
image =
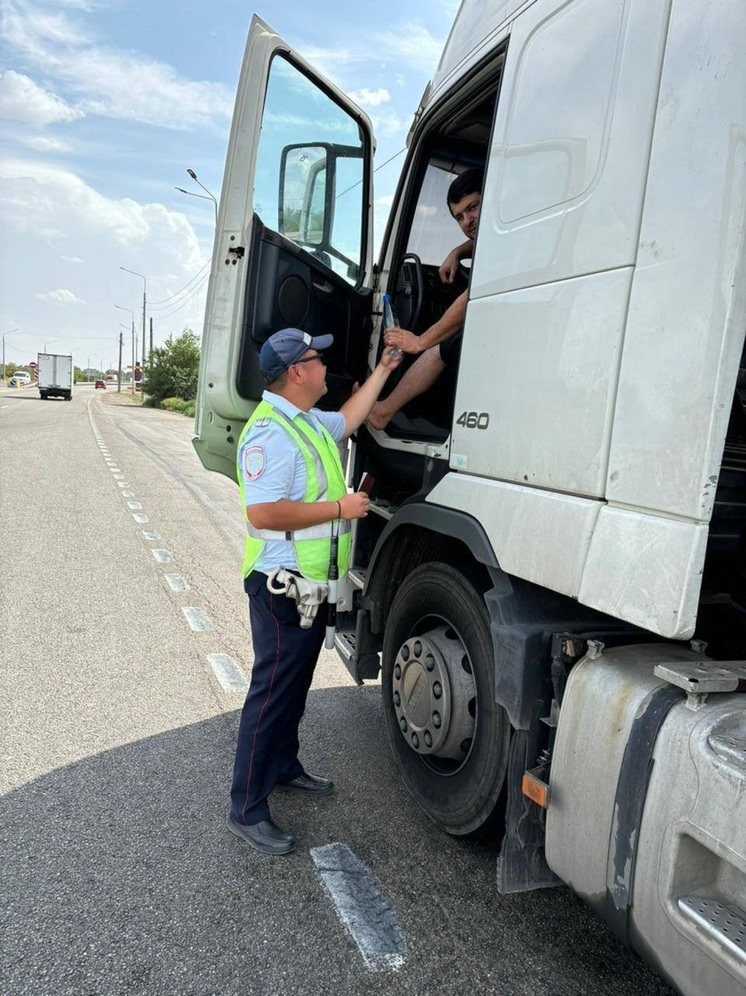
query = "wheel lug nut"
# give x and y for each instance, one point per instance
(437, 689)
(428, 739)
(415, 740)
(405, 653)
(397, 672)
(429, 662)
(418, 649)
(403, 724)
(436, 720)
(397, 699)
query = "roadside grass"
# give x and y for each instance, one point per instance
(175, 405)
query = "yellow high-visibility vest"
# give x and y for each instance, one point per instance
(324, 482)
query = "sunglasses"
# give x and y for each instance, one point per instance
(310, 359)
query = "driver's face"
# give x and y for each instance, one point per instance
(466, 214)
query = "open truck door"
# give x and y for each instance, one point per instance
(293, 245)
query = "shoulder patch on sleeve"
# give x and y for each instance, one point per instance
(261, 423)
(254, 462)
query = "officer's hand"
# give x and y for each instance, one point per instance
(391, 357)
(407, 342)
(355, 506)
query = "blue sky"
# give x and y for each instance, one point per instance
(105, 104)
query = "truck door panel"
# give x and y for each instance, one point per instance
(287, 286)
(294, 242)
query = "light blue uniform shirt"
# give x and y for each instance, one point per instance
(272, 467)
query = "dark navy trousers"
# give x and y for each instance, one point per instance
(285, 657)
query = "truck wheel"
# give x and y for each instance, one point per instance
(449, 737)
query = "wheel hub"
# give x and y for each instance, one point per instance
(434, 694)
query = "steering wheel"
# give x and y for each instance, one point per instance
(414, 289)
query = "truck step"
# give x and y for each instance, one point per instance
(723, 922)
(345, 645)
(357, 577)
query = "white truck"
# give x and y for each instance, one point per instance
(55, 376)
(552, 582)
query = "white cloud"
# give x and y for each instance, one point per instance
(23, 100)
(370, 98)
(50, 201)
(51, 215)
(61, 296)
(111, 82)
(410, 44)
(407, 44)
(43, 143)
(45, 197)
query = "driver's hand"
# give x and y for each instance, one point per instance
(449, 267)
(407, 342)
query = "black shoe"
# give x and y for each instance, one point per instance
(266, 836)
(306, 784)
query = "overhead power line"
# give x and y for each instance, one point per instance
(169, 301)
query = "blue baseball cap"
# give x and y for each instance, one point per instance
(286, 347)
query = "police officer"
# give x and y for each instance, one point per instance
(293, 491)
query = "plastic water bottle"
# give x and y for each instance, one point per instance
(390, 320)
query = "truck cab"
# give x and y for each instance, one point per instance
(551, 584)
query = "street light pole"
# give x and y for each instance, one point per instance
(9, 332)
(48, 344)
(209, 194)
(144, 298)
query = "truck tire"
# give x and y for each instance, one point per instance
(449, 737)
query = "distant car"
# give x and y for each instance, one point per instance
(101, 383)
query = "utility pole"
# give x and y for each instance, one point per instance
(132, 381)
(144, 299)
(119, 372)
(10, 332)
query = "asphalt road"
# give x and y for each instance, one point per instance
(117, 729)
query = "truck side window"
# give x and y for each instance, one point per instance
(555, 134)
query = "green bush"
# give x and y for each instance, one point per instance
(178, 405)
(172, 370)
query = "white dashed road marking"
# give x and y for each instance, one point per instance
(365, 914)
(176, 582)
(228, 673)
(198, 619)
